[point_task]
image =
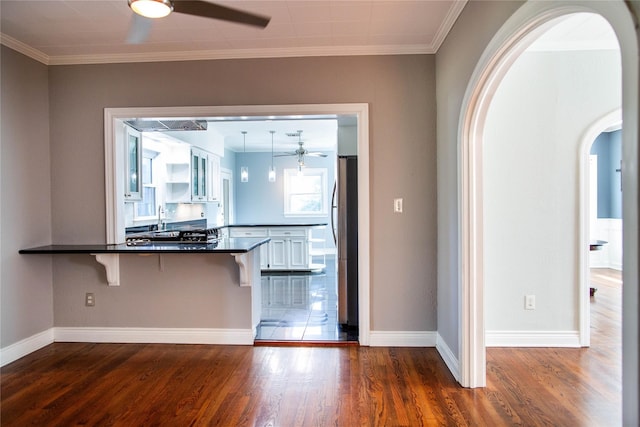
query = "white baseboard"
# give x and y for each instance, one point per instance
(449, 358)
(402, 339)
(156, 335)
(28, 345)
(532, 339)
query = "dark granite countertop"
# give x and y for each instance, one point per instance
(232, 245)
(314, 224)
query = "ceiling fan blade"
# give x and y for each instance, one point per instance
(317, 154)
(216, 11)
(285, 154)
(139, 29)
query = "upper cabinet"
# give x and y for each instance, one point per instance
(133, 165)
(199, 175)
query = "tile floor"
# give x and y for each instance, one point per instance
(301, 307)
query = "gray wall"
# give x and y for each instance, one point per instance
(455, 63)
(401, 93)
(25, 210)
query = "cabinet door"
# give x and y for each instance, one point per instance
(199, 166)
(264, 257)
(133, 165)
(278, 254)
(298, 253)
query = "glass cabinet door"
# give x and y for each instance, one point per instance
(198, 175)
(133, 165)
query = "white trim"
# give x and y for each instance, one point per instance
(155, 335)
(403, 339)
(449, 358)
(182, 55)
(584, 300)
(26, 346)
(115, 234)
(533, 339)
(24, 49)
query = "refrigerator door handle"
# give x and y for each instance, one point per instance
(333, 207)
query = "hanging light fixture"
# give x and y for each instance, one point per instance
(272, 170)
(244, 171)
(151, 8)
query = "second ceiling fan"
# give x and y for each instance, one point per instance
(147, 10)
(301, 152)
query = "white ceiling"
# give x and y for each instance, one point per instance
(94, 31)
(318, 134)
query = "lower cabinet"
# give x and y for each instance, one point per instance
(288, 248)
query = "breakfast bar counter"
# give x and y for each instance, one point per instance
(232, 245)
(242, 249)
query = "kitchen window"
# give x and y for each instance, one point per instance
(305, 192)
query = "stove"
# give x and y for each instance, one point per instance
(204, 236)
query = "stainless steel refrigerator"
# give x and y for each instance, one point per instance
(345, 233)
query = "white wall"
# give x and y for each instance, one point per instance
(531, 155)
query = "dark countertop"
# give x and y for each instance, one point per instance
(232, 245)
(314, 224)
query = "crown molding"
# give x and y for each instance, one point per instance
(447, 23)
(24, 49)
(240, 54)
(201, 55)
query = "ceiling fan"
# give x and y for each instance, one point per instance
(147, 10)
(301, 152)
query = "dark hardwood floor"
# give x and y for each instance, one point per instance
(175, 385)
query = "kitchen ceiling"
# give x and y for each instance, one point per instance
(318, 133)
(95, 31)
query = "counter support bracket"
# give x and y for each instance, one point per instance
(244, 261)
(111, 263)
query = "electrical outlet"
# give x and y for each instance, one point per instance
(89, 299)
(529, 302)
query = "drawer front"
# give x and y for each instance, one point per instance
(288, 232)
(248, 232)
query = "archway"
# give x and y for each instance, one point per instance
(523, 26)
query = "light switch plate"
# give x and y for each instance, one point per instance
(397, 205)
(530, 302)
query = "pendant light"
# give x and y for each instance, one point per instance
(244, 171)
(272, 170)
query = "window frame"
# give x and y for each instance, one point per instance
(292, 173)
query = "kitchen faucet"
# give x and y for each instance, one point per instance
(160, 212)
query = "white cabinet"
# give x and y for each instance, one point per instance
(288, 248)
(199, 175)
(213, 194)
(133, 165)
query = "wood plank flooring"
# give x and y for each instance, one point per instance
(177, 385)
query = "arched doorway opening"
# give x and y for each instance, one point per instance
(527, 23)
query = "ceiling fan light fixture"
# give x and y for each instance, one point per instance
(151, 8)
